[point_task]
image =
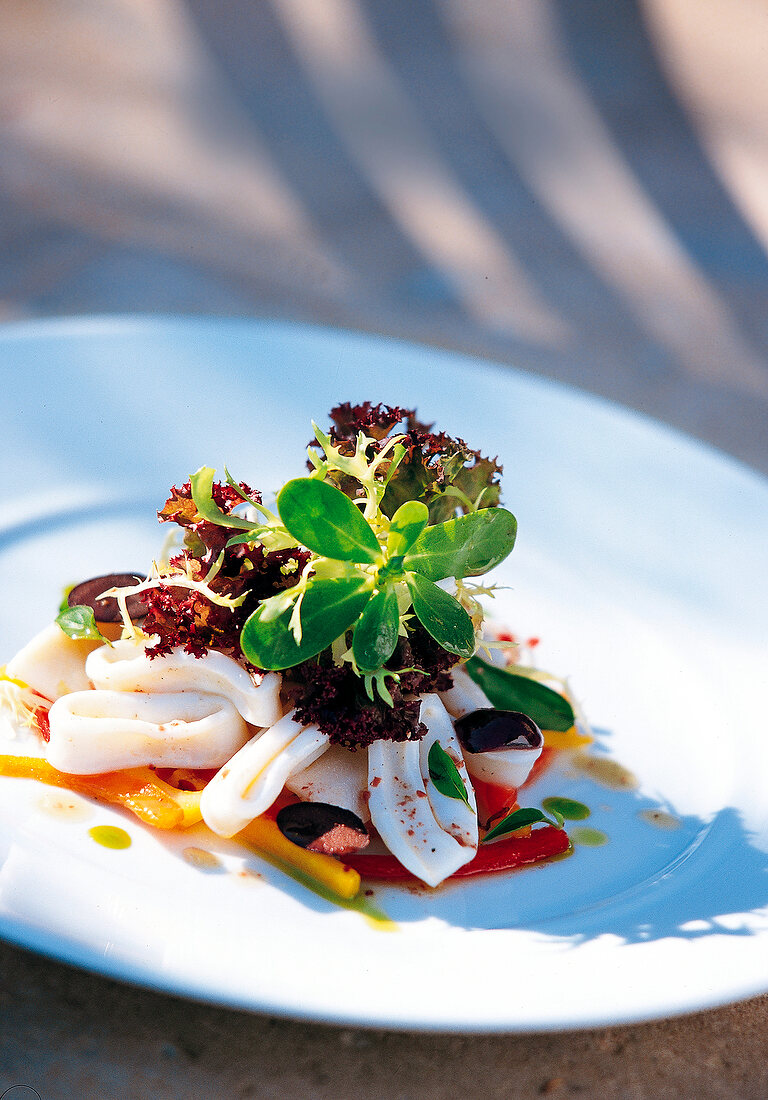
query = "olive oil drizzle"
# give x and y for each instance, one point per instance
(587, 837)
(110, 836)
(568, 808)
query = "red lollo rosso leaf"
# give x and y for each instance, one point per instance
(180, 508)
(376, 421)
(432, 461)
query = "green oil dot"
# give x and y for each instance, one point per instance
(110, 836)
(568, 808)
(589, 838)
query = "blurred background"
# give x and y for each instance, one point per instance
(575, 187)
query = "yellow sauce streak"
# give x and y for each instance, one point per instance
(608, 773)
(660, 818)
(202, 859)
(359, 904)
(64, 807)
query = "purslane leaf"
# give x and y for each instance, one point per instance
(375, 635)
(463, 547)
(445, 775)
(509, 690)
(201, 483)
(408, 522)
(328, 608)
(79, 622)
(441, 615)
(323, 519)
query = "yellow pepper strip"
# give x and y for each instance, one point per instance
(137, 789)
(567, 739)
(12, 679)
(264, 835)
(187, 801)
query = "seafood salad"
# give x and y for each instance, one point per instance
(315, 677)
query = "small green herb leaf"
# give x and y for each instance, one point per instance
(518, 819)
(442, 616)
(376, 632)
(408, 522)
(79, 622)
(509, 690)
(323, 519)
(463, 547)
(239, 490)
(201, 484)
(445, 775)
(378, 680)
(328, 608)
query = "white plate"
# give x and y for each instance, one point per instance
(641, 562)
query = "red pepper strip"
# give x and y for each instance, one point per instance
(40, 717)
(503, 855)
(492, 798)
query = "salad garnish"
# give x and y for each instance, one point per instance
(313, 675)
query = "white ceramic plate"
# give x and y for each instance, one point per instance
(641, 563)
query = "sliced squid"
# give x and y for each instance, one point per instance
(53, 663)
(465, 695)
(451, 814)
(339, 777)
(125, 666)
(504, 767)
(103, 731)
(251, 781)
(403, 815)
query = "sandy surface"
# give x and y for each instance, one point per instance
(69, 1034)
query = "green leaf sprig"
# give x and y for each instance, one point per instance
(519, 819)
(367, 573)
(79, 622)
(445, 775)
(509, 690)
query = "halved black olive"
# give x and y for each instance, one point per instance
(488, 730)
(320, 827)
(106, 610)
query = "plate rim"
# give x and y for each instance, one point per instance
(117, 324)
(75, 325)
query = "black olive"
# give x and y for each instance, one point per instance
(319, 827)
(488, 730)
(106, 610)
